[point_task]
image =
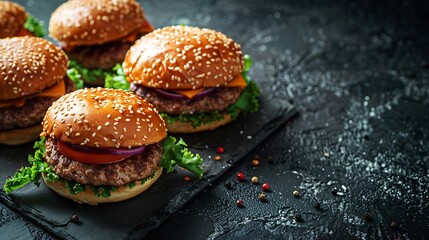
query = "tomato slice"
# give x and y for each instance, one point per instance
(87, 157)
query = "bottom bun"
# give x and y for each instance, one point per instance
(186, 127)
(20, 136)
(122, 193)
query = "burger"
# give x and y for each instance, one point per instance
(97, 34)
(195, 77)
(103, 145)
(33, 76)
(15, 21)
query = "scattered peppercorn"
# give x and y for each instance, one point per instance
(265, 187)
(228, 185)
(255, 162)
(262, 196)
(368, 216)
(394, 225)
(239, 203)
(317, 205)
(270, 160)
(240, 176)
(74, 218)
(366, 137)
(186, 178)
(298, 217)
(217, 158)
(296, 194)
(255, 180)
(220, 150)
(334, 191)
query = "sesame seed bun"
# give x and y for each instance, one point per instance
(83, 22)
(28, 66)
(183, 57)
(21, 135)
(105, 118)
(12, 18)
(122, 193)
(186, 127)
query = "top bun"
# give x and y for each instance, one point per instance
(12, 18)
(83, 22)
(105, 118)
(29, 65)
(183, 57)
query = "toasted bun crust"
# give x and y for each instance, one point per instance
(12, 18)
(83, 22)
(186, 127)
(29, 65)
(88, 196)
(20, 136)
(183, 57)
(105, 118)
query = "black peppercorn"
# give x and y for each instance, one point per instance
(394, 225)
(298, 217)
(334, 191)
(228, 185)
(74, 218)
(270, 160)
(317, 205)
(368, 216)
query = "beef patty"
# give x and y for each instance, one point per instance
(135, 168)
(31, 113)
(219, 100)
(104, 56)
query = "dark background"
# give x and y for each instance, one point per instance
(358, 74)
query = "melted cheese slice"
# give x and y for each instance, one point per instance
(236, 82)
(54, 92)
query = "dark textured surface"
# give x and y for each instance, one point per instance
(358, 74)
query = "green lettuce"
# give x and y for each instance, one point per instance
(74, 75)
(174, 152)
(117, 80)
(35, 26)
(89, 75)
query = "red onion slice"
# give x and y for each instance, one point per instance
(110, 151)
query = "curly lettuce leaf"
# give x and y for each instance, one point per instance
(33, 173)
(90, 75)
(196, 119)
(176, 153)
(247, 102)
(118, 80)
(36, 26)
(74, 75)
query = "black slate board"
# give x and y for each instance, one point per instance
(136, 217)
